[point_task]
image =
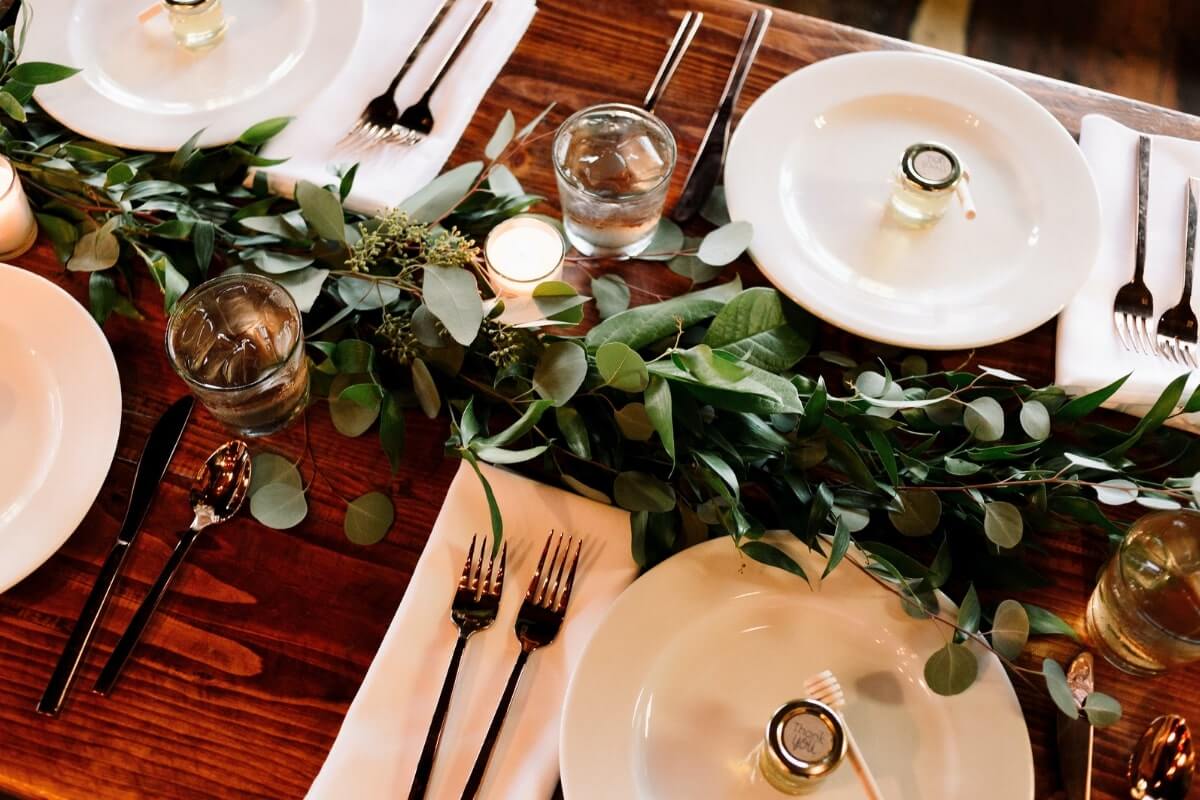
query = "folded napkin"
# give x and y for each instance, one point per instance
(391, 29)
(1089, 354)
(376, 751)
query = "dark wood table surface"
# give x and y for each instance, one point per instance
(241, 682)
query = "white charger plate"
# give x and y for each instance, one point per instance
(810, 166)
(139, 89)
(60, 412)
(676, 687)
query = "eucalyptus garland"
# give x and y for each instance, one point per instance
(704, 415)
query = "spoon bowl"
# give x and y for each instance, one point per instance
(1162, 762)
(221, 484)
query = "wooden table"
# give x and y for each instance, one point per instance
(241, 683)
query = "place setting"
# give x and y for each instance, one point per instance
(683, 549)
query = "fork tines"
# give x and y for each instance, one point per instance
(473, 571)
(544, 591)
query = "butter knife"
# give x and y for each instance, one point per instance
(156, 455)
(1076, 736)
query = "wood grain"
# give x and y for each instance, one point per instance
(241, 682)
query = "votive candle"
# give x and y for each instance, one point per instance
(18, 228)
(521, 253)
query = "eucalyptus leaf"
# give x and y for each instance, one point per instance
(304, 286)
(560, 372)
(621, 367)
(443, 194)
(753, 327)
(322, 209)
(639, 491)
(634, 422)
(611, 294)
(837, 548)
(1116, 492)
(945, 412)
(1042, 621)
(39, 73)
(667, 241)
(96, 250)
(984, 418)
(350, 417)
(500, 455)
(503, 183)
(427, 392)
(1002, 523)
(772, 556)
(920, 512)
(1010, 629)
(726, 243)
(659, 408)
(1102, 710)
(641, 325)
(714, 210)
(264, 131)
(574, 430)
(1035, 420)
(587, 491)
(267, 468)
(1060, 692)
(692, 268)
(502, 136)
(951, 670)
(525, 423)
(279, 505)
(369, 518)
(452, 295)
(969, 611)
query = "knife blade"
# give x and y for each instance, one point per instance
(1076, 736)
(152, 466)
(710, 159)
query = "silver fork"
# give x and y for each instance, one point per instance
(1134, 305)
(1177, 326)
(538, 622)
(376, 121)
(824, 687)
(474, 609)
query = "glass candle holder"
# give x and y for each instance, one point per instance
(238, 343)
(197, 24)
(18, 227)
(1144, 615)
(613, 164)
(521, 253)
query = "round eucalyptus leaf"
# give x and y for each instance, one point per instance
(1116, 492)
(871, 384)
(1002, 523)
(951, 670)
(961, 467)
(268, 468)
(668, 240)
(429, 332)
(560, 372)
(635, 423)
(945, 413)
(1157, 502)
(637, 491)
(279, 505)
(921, 512)
(427, 391)
(1010, 629)
(621, 367)
(984, 418)
(611, 293)
(1060, 692)
(1035, 420)
(1101, 709)
(914, 365)
(854, 519)
(726, 243)
(350, 417)
(369, 518)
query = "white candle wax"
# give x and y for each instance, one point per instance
(18, 228)
(523, 252)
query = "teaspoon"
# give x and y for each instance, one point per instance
(217, 493)
(1162, 762)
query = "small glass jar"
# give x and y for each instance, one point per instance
(197, 23)
(925, 183)
(805, 742)
(18, 227)
(522, 253)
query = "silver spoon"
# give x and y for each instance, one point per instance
(217, 494)
(1162, 762)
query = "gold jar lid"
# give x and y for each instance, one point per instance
(931, 167)
(805, 740)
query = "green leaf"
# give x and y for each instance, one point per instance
(772, 556)
(560, 372)
(503, 183)
(426, 389)
(322, 211)
(391, 430)
(638, 491)
(838, 548)
(960, 467)
(668, 239)
(634, 422)
(102, 296)
(63, 235)
(692, 268)
(443, 194)
(1010, 629)
(1116, 492)
(347, 182)
(203, 243)
(611, 293)
(503, 135)
(951, 670)
(753, 327)
(493, 506)
(11, 106)
(621, 367)
(40, 73)
(659, 409)
(96, 250)
(532, 125)
(726, 243)
(1081, 406)
(264, 131)
(715, 211)
(354, 355)
(1002, 523)
(452, 295)
(267, 468)
(969, 612)
(369, 518)
(1162, 409)
(984, 418)
(531, 416)
(571, 426)
(722, 469)
(279, 505)
(887, 456)
(639, 326)
(1060, 692)
(945, 413)
(304, 286)
(1035, 420)
(582, 488)
(499, 455)
(182, 156)
(920, 513)
(350, 417)
(1048, 623)
(814, 410)
(1102, 710)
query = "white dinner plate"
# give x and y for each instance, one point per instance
(60, 411)
(811, 167)
(676, 687)
(139, 89)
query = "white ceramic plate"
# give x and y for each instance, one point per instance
(675, 689)
(139, 89)
(60, 411)
(810, 166)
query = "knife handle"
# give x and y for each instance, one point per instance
(81, 634)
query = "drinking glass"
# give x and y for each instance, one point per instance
(613, 163)
(1144, 616)
(238, 343)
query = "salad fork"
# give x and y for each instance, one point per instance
(538, 623)
(1134, 304)
(1177, 326)
(824, 687)
(474, 609)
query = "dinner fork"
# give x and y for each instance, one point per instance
(824, 687)
(1134, 304)
(376, 121)
(1177, 326)
(473, 609)
(538, 623)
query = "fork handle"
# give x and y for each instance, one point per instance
(1189, 244)
(425, 764)
(1143, 200)
(420, 46)
(475, 781)
(463, 40)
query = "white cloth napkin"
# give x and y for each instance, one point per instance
(376, 751)
(1089, 354)
(391, 28)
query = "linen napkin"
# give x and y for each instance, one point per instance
(391, 29)
(376, 751)
(1089, 354)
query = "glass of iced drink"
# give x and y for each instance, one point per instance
(238, 343)
(1144, 616)
(613, 163)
